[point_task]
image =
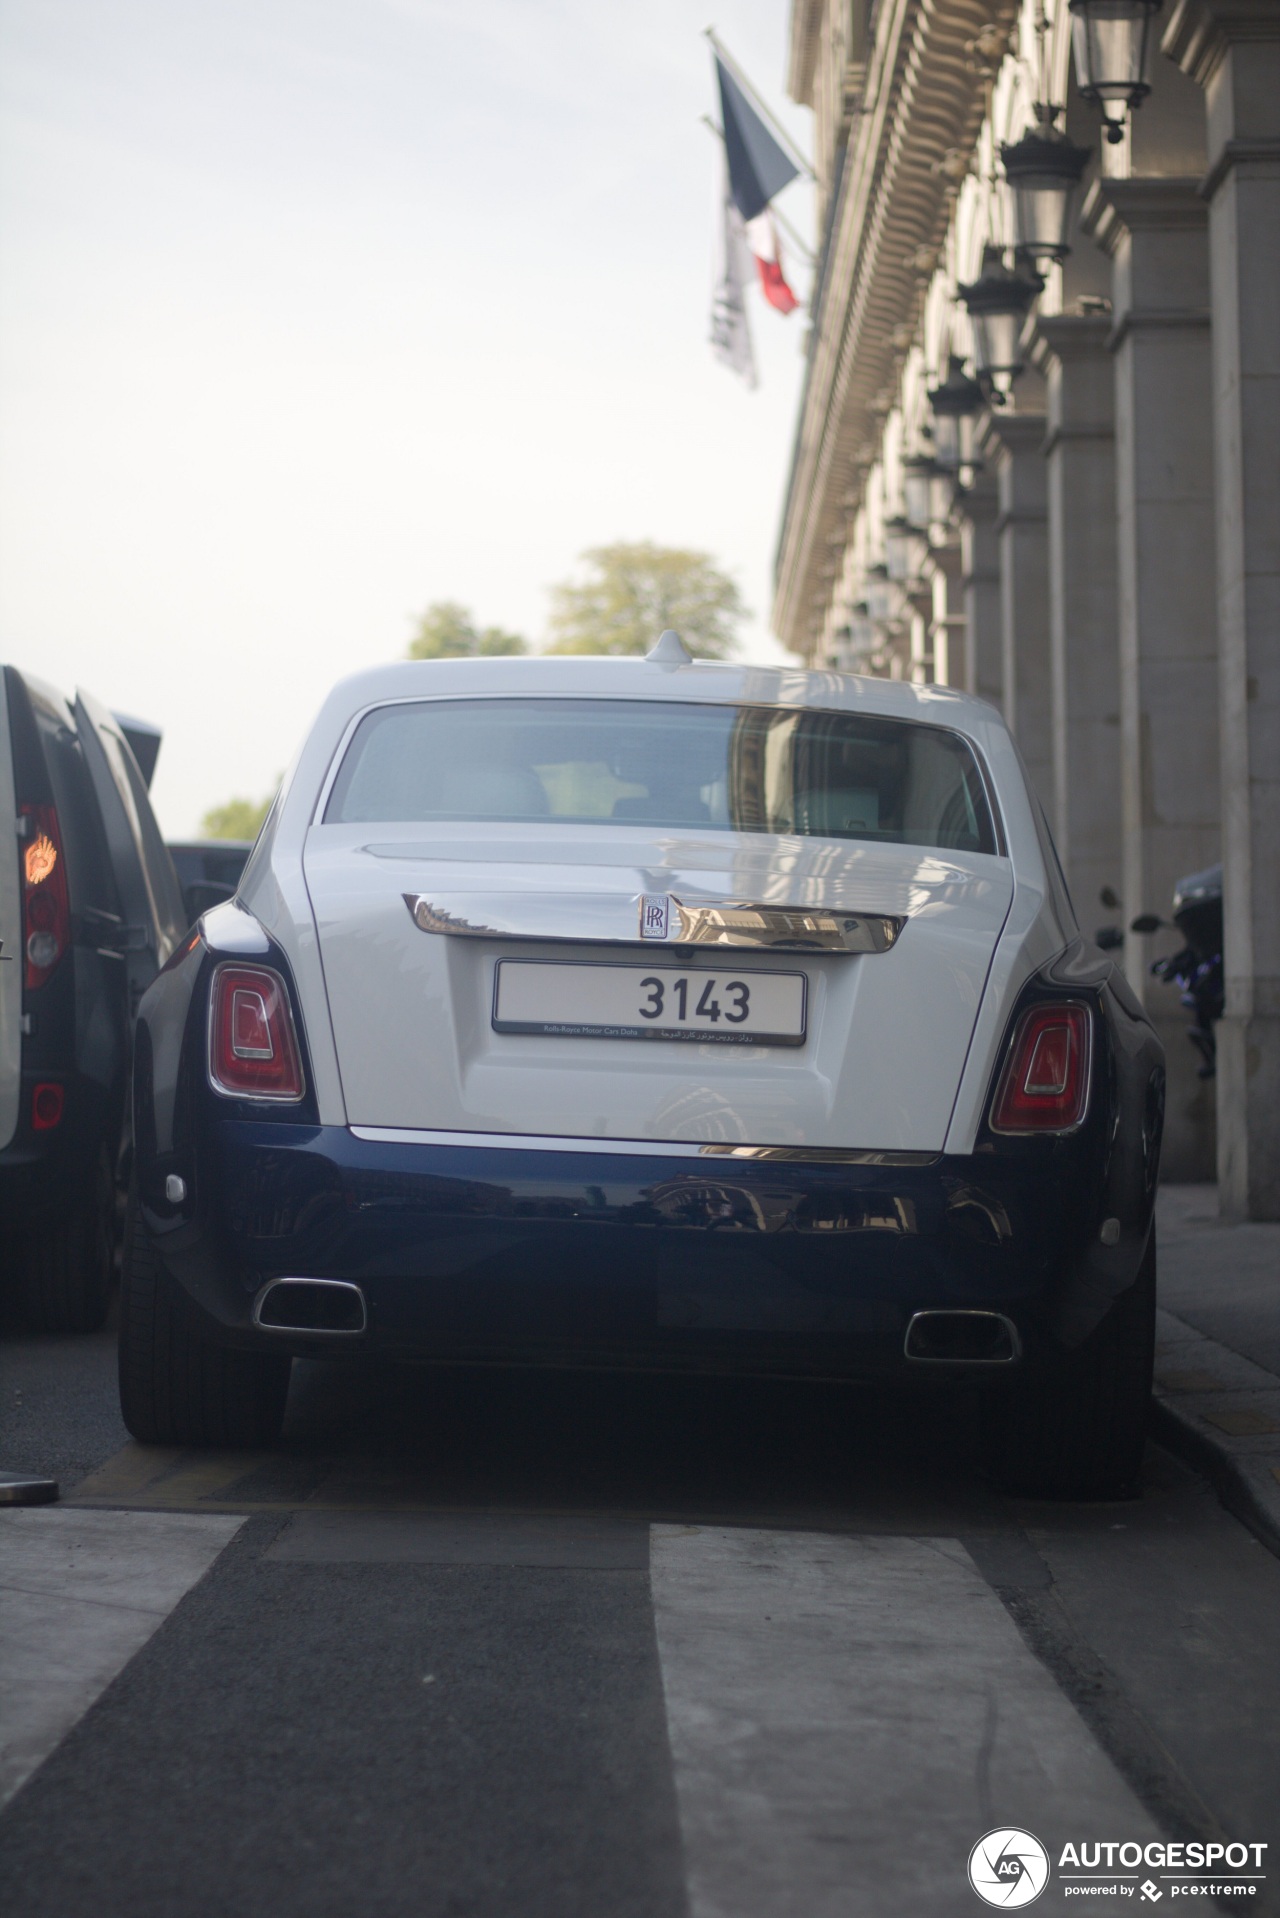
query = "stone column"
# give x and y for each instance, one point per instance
(1155, 229)
(1016, 442)
(1232, 47)
(1080, 454)
(947, 619)
(980, 588)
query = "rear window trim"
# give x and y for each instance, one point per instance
(771, 705)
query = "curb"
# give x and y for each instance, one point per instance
(1221, 1414)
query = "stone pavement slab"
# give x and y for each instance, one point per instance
(1217, 1373)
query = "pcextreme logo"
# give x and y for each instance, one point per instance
(1008, 1868)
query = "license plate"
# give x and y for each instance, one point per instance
(721, 1007)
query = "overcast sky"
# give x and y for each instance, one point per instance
(318, 310)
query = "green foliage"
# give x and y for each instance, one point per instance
(634, 590)
(237, 819)
(447, 631)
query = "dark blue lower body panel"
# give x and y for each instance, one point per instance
(760, 1265)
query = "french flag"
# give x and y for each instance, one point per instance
(758, 169)
(762, 238)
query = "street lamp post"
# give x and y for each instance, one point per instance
(1111, 40)
(998, 301)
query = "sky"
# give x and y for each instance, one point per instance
(319, 310)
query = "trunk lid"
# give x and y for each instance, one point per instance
(412, 1009)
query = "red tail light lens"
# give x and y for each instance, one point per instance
(46, 1106)
(253, 1049)
(46, 911)
(1045, 1084)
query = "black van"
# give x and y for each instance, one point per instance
(90, 909)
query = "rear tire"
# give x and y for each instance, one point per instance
(69, 1261)
(177, 1386)
(1077, 1430)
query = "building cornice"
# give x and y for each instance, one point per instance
(925, 97)
(1234, 154)
(806, 41)
(1011, 432)
(1076, 432)
(1200, 32)
(1068, 337)
(1157, 319)
(1145, 203)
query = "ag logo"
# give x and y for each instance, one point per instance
(1008, 1868)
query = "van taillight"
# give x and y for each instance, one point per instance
(1045, 1083)
(46, 910)
(47, 1100)
(253, 1049)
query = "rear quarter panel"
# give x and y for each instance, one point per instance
(1039, 926)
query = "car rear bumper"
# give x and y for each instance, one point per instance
(504, 1255)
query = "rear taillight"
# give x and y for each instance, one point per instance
(47, 1100)
(253, 1049)
(1045, 1083)
(46, 911)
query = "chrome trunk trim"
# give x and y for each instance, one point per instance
(575, 919)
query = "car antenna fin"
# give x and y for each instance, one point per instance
(670, 650)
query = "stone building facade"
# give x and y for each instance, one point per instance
(1071, 509)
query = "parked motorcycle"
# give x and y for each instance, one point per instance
(1197, 969)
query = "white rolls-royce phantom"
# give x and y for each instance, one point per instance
(659, 1014)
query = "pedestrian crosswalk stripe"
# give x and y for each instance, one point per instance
(847, 1715)
(80, 1593)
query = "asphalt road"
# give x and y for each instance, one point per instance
(487, 1644)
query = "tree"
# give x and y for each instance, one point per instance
(447, 631)
(236, 819)
(634, 590)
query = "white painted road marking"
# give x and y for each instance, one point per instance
(80, 1593)
(848, 1716)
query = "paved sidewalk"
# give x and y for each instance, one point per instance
(1217, 1386)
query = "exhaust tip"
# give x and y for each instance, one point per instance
(962, 1338)
(332, 1307)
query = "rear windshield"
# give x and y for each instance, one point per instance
(668, 765)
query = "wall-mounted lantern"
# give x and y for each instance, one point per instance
(1111, 41)
(906, 548)
(856, 640)
(956, 404)
(1044, 170)
(919, 474)
(998, 302)
(882, 601)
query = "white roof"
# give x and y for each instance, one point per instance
(561, 675)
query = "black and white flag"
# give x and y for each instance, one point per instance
(735, 269)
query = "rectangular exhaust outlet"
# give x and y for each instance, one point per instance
(962, 1338)
(332, 1308)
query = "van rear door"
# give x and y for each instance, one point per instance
(150, 895)
(10, 936)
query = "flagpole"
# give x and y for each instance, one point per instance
(806, 254)
(767, 113)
